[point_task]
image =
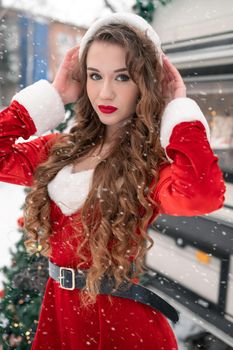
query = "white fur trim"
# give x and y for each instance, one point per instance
(124, 18)
(180, 110)
(69, 190)
(44, 105)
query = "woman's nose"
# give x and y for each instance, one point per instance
(106, 90)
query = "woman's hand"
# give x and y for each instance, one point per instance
(172, 85)
(67, 86)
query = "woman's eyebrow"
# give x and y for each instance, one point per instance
(115, 71)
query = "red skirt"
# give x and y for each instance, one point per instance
(116, 325)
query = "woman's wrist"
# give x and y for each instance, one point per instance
(180, 92)
(61, 94)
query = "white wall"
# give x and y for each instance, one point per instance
(185, 19)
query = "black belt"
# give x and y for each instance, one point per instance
(71, 279)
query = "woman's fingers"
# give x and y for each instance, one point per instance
(172, 71)
(67, 86)
(73, 51)
(173, 84)
(70, 58)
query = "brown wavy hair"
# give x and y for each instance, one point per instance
(118, 207)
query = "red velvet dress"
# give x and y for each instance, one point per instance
(191, 185)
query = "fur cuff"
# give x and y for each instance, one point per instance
(182, 109)
(44, 105)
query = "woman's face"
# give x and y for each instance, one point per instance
(110, 89)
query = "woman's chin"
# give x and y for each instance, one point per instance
(112, 120)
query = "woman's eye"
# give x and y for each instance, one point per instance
(123, 77)
(94, 76)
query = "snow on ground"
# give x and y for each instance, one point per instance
(11, 200)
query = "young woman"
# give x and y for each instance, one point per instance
(138, 147)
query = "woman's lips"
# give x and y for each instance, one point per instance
(107, 109)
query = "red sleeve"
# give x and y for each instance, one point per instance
(19, 161)
(193, 183)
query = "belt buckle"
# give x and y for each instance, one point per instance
(62, 276)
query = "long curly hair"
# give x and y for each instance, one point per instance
(118, 207)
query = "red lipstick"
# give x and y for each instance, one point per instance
(107, 109)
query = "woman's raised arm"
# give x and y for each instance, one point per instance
(192, 184)
(33, 111)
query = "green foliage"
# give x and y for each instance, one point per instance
(69, 115)
(146, 8)
(23, 289)
(164, 2)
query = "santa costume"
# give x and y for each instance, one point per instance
(190, 184)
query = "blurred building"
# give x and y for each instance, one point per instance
(31, 48)
(198, 38)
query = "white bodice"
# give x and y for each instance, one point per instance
(69, 190)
